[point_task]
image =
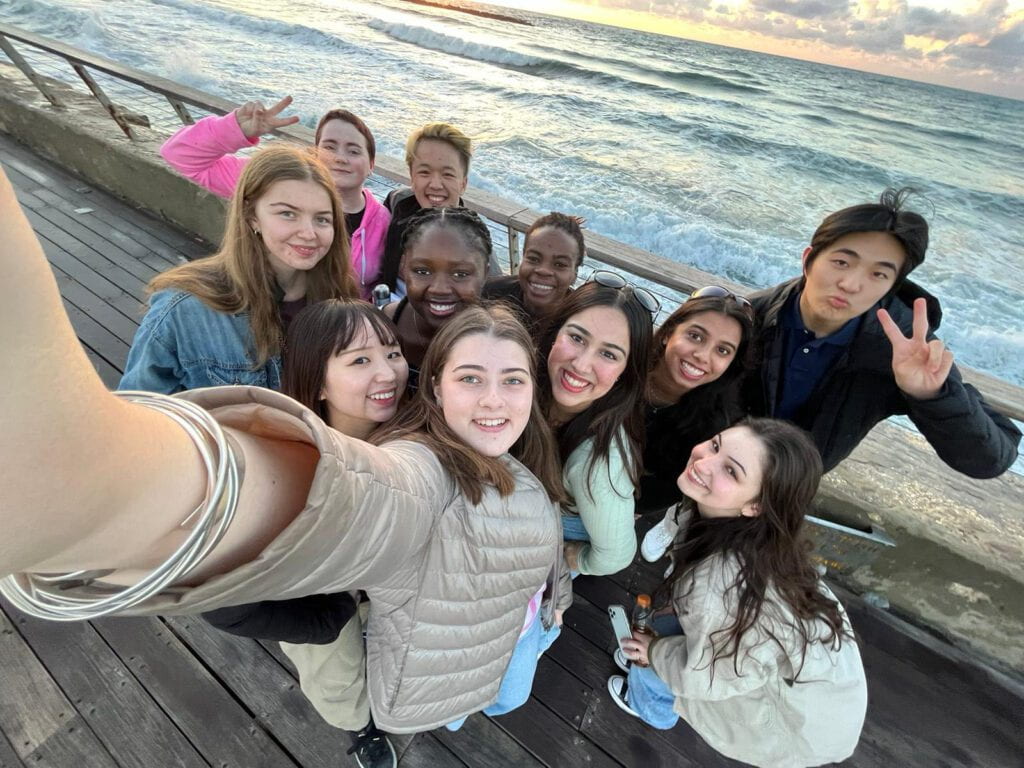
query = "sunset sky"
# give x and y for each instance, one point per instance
(973, 44)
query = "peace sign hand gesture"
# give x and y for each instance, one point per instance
(254, 119)
(920, 366)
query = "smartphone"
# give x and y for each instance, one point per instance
(620, 624)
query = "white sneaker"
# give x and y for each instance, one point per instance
(620, 660)
(657, 540)
(617, 688)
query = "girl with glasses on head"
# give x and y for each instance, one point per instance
(594, 361)
(700, 354)
(756, 655)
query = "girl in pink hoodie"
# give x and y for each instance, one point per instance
(204, 153)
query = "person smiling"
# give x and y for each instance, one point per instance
(205, 153)
(699, 357)
(221, 319)
(342, 361)
(448, 532)
(438, 157)
(756, 654)
(851, 342)
(446, 251)
(596, 348)
(552, 256)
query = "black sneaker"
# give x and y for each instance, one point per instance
(373, 748)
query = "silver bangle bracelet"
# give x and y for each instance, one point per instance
(81, 595)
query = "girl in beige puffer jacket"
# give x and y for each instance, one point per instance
(757, 654)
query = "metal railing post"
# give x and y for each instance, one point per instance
(182, 111)
(30, 73)
(101, 97)
(513, 250)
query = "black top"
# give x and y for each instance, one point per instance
(316, 619)
(353, 220)
(860, 390)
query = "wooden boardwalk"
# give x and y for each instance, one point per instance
(174, 692)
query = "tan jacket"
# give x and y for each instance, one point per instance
(759, 715)
(448, 581)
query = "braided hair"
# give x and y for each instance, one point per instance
(470, 226)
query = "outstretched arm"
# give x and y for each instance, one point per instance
(204, 152)
(88, 480)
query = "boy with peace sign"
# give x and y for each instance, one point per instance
(851, 342)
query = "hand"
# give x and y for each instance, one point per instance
(920, 366)
(636, 647)
(572, 554)
(254, 119)
(558, 617)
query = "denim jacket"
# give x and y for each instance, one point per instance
(183, 344)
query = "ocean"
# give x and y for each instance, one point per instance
(715, 157)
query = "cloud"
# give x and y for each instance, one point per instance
(803, 9)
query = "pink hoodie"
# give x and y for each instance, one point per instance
(204, 153)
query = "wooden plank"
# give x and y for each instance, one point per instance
(32, 706)
(8, 757)
(555, 742)
(223, 732)
(138, 243)
(96, 308)
(132, 307)
(425, 751)
(94, 260)
(96, 337)
(79, 193)
(482, 744)
(102, 246)
(268, 690)
(117, 708)
(74, 746)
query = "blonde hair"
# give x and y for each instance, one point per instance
(445, 132)
(238, 278)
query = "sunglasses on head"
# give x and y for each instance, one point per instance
(614, 280)
(718, 292)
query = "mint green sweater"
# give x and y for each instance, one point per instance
(605, 506)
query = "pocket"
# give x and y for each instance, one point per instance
(220, 374)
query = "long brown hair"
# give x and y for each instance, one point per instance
(770, 548)
(238, 278)
(424, 420)
(621, 409)
(318, 333)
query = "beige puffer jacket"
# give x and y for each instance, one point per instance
(449, 581)
(755, 711)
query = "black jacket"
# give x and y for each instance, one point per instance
(316, 619)
(860, 390)
(403, 204)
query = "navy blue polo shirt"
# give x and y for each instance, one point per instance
(805, 358)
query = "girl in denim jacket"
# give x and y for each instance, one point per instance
(221, 319)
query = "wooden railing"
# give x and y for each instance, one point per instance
(1005, 397)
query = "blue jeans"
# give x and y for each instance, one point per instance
(647, 694)
(518, 680)
(572, 528)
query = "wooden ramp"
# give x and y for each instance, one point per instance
(175, 692)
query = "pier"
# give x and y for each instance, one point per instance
(146, 692)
